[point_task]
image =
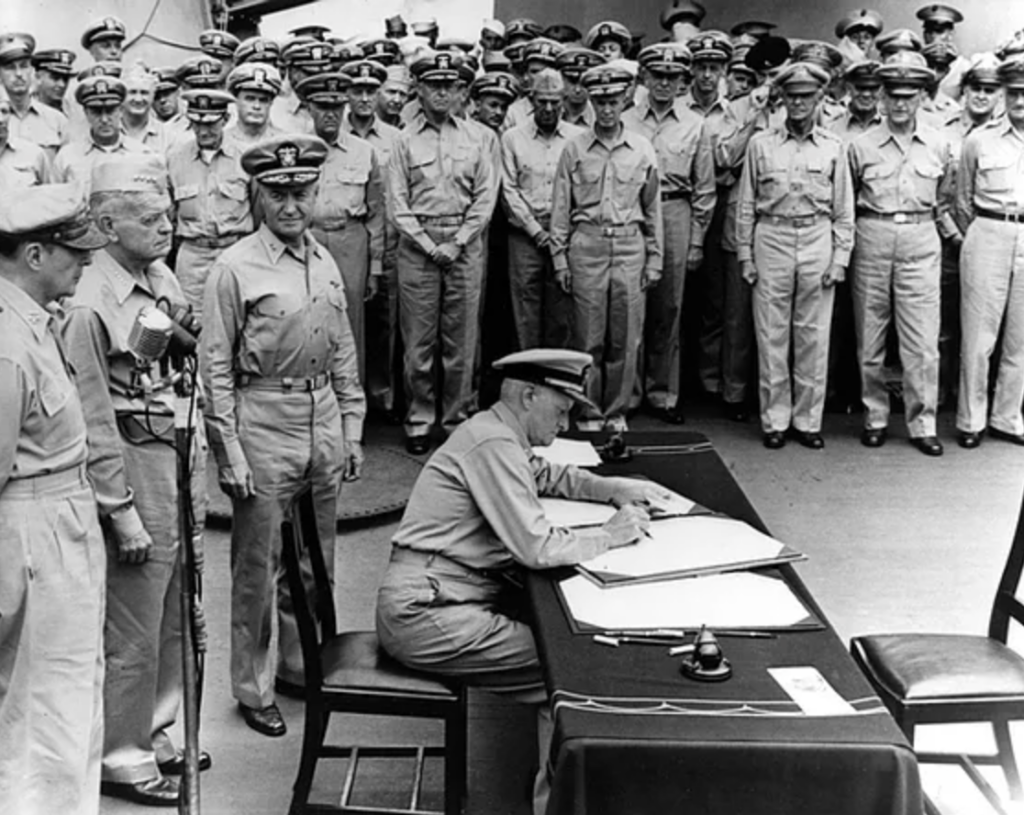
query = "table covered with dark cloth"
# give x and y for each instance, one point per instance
(634, 736)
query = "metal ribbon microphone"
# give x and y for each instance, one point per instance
(150, 335)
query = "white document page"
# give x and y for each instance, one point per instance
(680, 544)
(566, 512)
(805, 685)
(568, 451)
(735, 600)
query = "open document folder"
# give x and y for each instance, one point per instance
(687, 547)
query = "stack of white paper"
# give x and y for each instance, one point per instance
(568, 451)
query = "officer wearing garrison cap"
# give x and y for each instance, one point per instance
(990, 209)
(284, 406)
(129, 407)
(474, 519)
(212, 209)
(255, 86)
(794, 233)
(51, 668)
(30, 120)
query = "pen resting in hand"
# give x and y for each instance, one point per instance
(627, 525)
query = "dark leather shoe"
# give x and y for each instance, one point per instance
(671, 415)
(154, 792)
(735, 411)
(968, 440)
(873, 436)
(266, 720)
(1013, 438)
(176, 765)
(293, 690)
(810, 440)
(417, 445)
(929, 445)
(774, 440)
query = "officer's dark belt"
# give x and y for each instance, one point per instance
(897, 217)
(284, 384)
(220, 242)
(623, 231)
(675, 195)
(799, 221)
(1011, 217)
(403, 554)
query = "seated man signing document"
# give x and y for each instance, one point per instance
(449, 602)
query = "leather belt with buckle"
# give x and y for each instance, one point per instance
(285, 384)
(898, 217)
(1010, 217)
(799, 222)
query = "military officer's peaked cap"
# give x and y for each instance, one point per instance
(289, 160)
(666, 58)
(899, 39)
(425, 28)
(100, 91)
(258, 49)
(455, 44)
(307, 53)
(863, 74)
(381, 50)
(577, 60)
(201, 72)
(767, 53)
(52, 213)
(395, 26)
(206, 104)
(492, 26)
(905, 70)
(543, 50)
(983, 70)
(940, 53)
(939, 15)
(522, 29)
(820, 53)
(330, 89)
(758, 29)
(496, 61)
(366, 72)
(609, 30)
(1011, 47)
(803, 76)
(16, 46)
(255, 76)
(342, 53)
(710, 45)
(1011, 72)
(515, 52)
(861, 18)
(107, 28)
(438, 66)
(681, 11)
(55, 60)
(166, 79)
(217, 43)
(563, 33)
(313, 31)
(495, 84)
(104, 67)
(559, 369)
(606, 80)
(132, 172)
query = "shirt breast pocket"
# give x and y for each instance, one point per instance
(586, 184)
(996, 173)
(53, 396)
(234, 189)
(186, 199)
(678, 159)
(628, 181)
(819, 180)
(348, 188)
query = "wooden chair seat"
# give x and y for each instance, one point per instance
(354, 661)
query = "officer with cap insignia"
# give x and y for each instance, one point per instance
(611, 39)
(474, 520)
(522, 30)
(899, 39)
(343, 53)
(51, 674)
(167, 101)
(441, 192)
(903, 183)
(859, 29)
(348, 219)
(22, 163)
(862, 107)
(31, 120)
(202, 72)
(990, 210)
(302, 59)
(255, 86)
(428, 30)
(687, 173)
(492, 94)
(219, 45)
(258, 49)
(367, 77)
(538, 55)
(572, 63)
(101, 98)
(53, 74)
(129, 409)
(382, 51)
(794, 233)
(740, 78)
(104, 39)
(284, 407)
(607, 244)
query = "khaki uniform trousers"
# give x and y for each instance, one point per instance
(439, 310)
(738, 343)
(350, 248)
(662, 339)
(608, 310)
(992, 294)
(542, 311)
(792, 318)
(896, 270)
(51, 646)
(711, 307)
(289, 440)
(192, 266)
(142, 690)
(383, 370)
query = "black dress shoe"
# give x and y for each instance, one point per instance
(266, 720)
(735, 411)
(1013, 438)
(873, 436)
(176, 765)
(929, 445)
(774, 440)
(153, 792)
(810, 440)
(417, 445)
(968, 439)
(293, 690)
(671, 415)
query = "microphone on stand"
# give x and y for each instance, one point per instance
(150, 335)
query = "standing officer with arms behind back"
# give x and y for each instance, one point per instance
(284, 407)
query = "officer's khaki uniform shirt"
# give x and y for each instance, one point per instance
(440, 172)
(75, 161)
(607, 184)
(529, 159)
(685, 161)
(380, 135)
(211, 197)
(153, 135)
(787, 176)
(991, 174)
(41, 125)
(849, 127)
(234, 132)
(23, 164)
(270, 311)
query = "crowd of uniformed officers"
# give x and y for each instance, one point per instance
(339, 223)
